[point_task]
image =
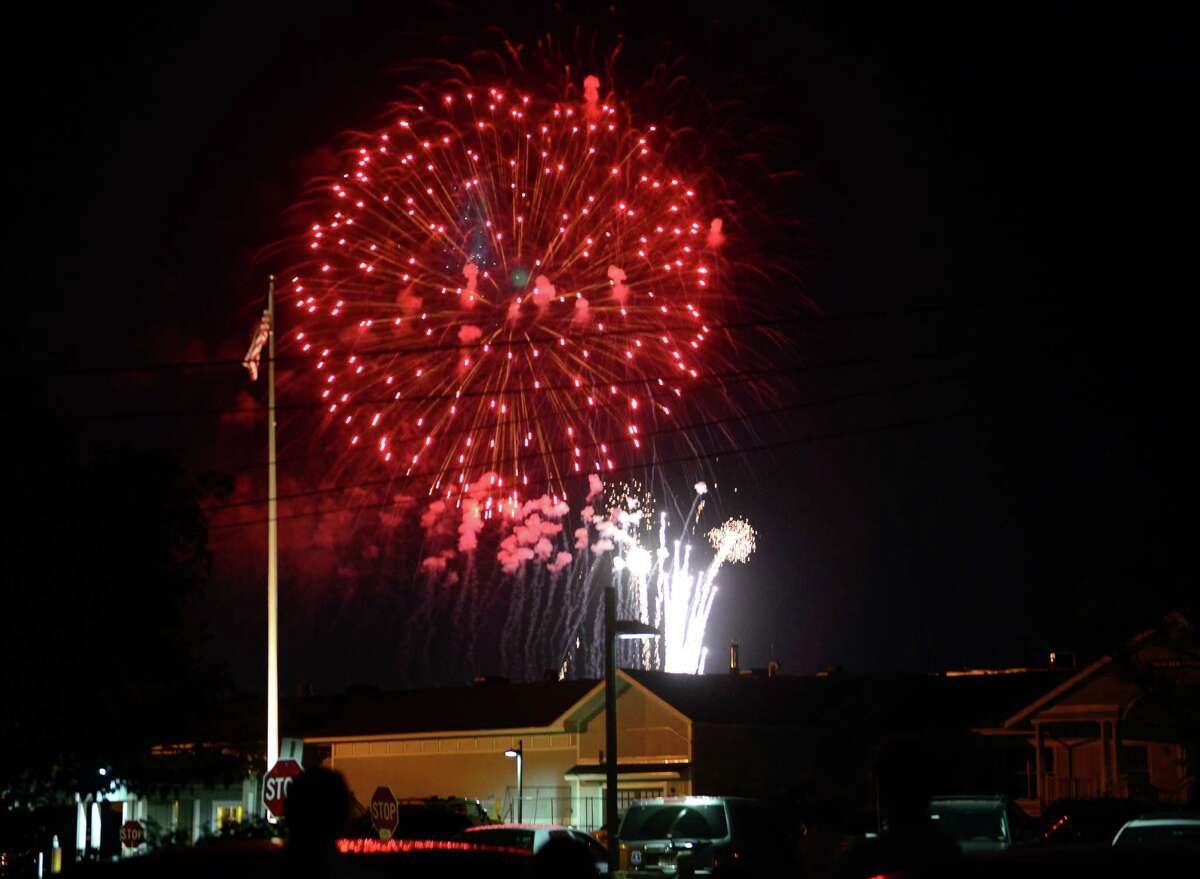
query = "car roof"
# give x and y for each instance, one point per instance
(1164, 821)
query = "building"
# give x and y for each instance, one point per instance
(451, 741)
(1126, 725)
(810, 739)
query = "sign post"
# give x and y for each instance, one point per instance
(384, 813)
(133, 834)
(276, 784)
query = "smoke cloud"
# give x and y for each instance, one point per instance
(471, 273)
(591, 97)
(715, 236)
(543, 291)
(620, 292)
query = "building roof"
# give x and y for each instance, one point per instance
(889, 702)
(493, 706)
(897, 701)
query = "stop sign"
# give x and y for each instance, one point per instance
(276, 783)
(384, 813)
(132, 834)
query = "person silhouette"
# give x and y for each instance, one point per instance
(318, 809)
(564, 858)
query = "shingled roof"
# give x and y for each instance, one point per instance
(895, 702)
(438, 709)
(891, 701)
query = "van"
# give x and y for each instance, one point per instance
(707, 836)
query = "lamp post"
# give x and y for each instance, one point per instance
(519, 753)
(614, 629)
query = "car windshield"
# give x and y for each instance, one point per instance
(1160, 836)
(967, 824)
(677, 821)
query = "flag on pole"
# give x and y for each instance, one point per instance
(261, 332)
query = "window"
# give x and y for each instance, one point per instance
(673, 821)
(1135, 763)
(226, 814)
(626, 797)
(598, 851)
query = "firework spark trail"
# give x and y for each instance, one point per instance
(570, 617)
(550, 587)
(671, 596)
(467, 591)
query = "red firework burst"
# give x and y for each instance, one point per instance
(510, 289)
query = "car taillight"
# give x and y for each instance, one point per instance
(732, 856)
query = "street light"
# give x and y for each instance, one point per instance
(519, 753)
(614, 629)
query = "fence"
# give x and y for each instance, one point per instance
(555, 805)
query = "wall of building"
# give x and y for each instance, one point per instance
(474, 767)
(648, 728)
(746, 761)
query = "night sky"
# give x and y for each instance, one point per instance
(998, 200)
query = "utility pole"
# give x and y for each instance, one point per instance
(272, 546)
(610, 726)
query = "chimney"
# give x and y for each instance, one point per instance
(733, 657)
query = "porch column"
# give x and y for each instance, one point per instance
(1114, 742)
(1070, 771)
(1037, 744)
(1104, 785)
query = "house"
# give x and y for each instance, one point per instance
(802, 738)
(451, 742)
(1126, 725)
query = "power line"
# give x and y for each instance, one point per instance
(565, 450)
(533, 419)
(706, 380)
(45, 370)
(739, 452)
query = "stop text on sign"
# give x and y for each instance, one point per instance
(276, 788)
(384, 812)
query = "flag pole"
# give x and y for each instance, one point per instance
(272, 546)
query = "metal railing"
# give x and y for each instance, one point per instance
(553, 805)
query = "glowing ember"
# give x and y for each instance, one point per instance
(733, 541)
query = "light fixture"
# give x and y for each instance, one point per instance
(519, 753)
(632, 630)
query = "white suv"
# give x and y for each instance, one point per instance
(1161, 832)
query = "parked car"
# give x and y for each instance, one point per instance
(707, 836)
(1087, 822)
(531, 838)
(1164, 832)
(982, 823)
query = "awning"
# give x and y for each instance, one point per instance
(644, 771)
